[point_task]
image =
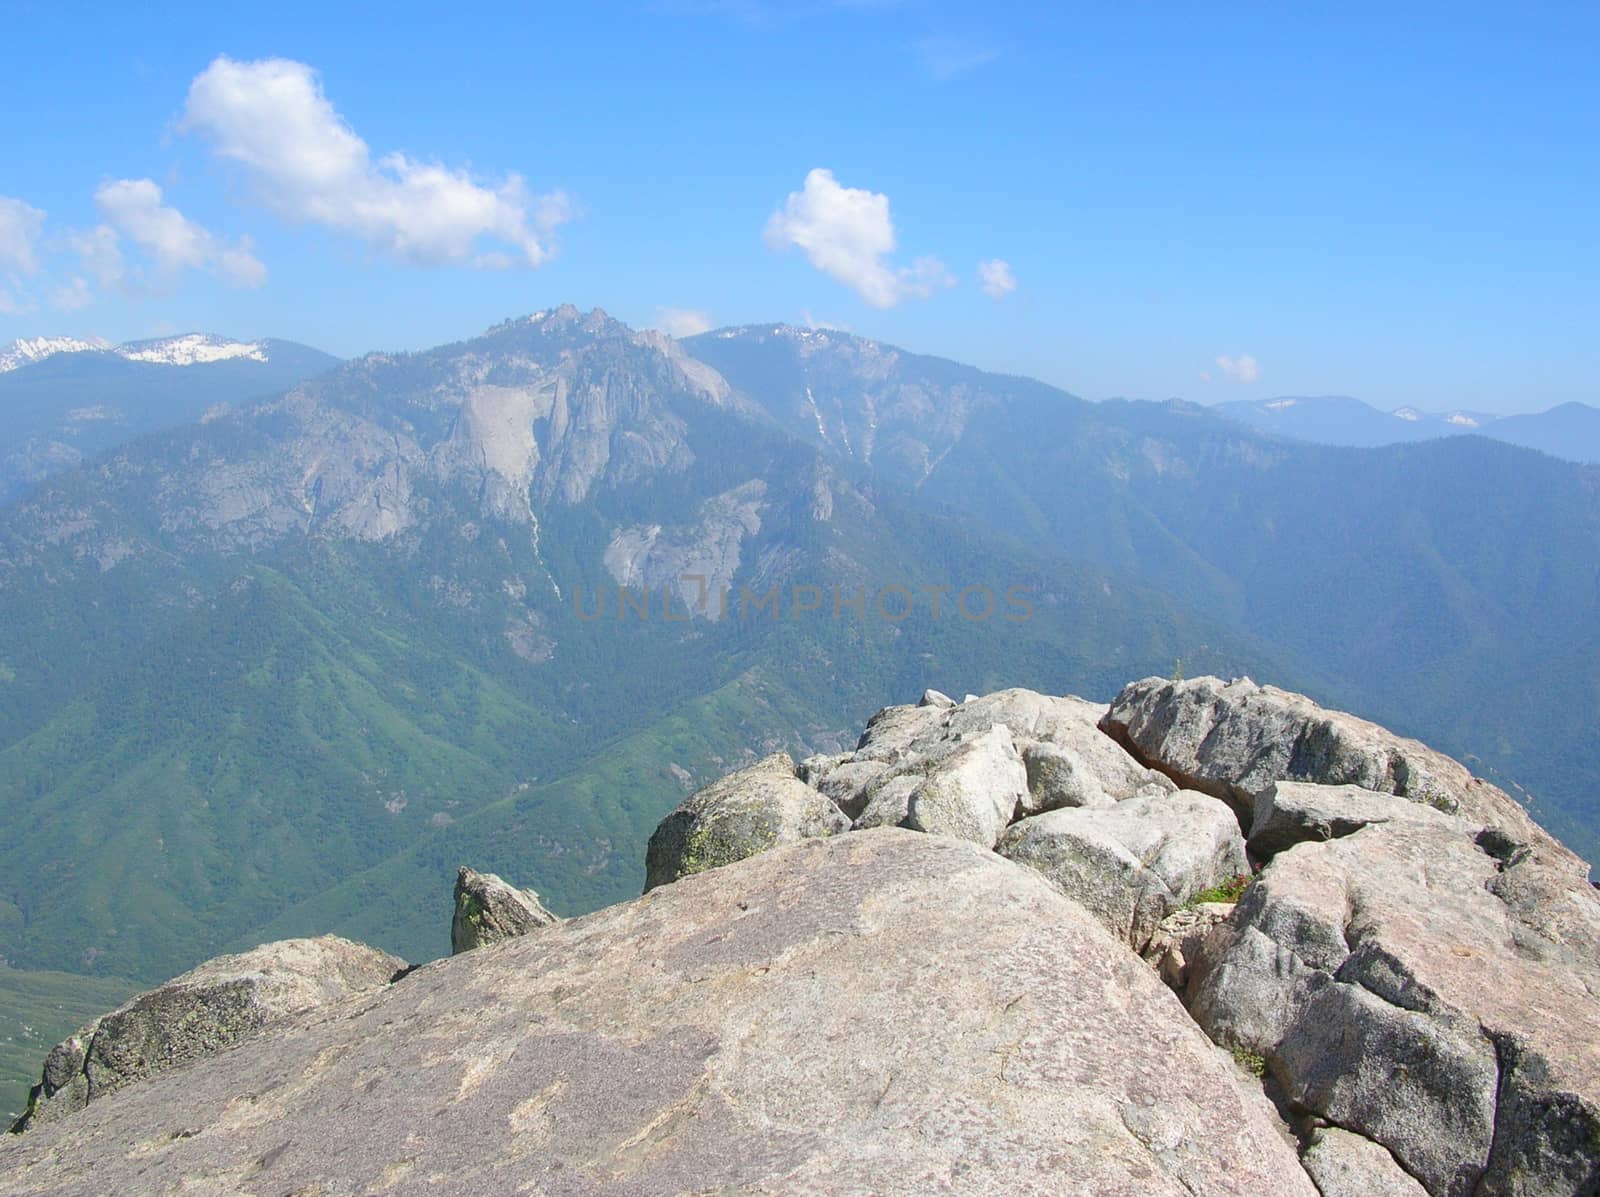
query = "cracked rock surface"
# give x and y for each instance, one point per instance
(883, 1012)
(1364, 972)
(224, 1001)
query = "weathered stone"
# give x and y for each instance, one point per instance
(891, 734)
(1291, 812)
(843, 779)
(1058, 777)
(888, 798)
(972, 792)
(1134, 863)
(744, 813)
(1346, 1165)
(907, 733)
(1071, 723)
(1234, 739)
(1393, 991)
(1178, 937)
(488, 910)
(935, 698)
(222, 1002)
(873, 1013)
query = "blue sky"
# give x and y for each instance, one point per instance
(1207, 201)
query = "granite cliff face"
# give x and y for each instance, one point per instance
(1001, 946)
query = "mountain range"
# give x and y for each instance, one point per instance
(1570, 431)
(67, 400)
(277, 670)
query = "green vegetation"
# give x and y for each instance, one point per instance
(1230, 890)
(1251, 1062)
(230, 736)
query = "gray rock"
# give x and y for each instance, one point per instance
(1058, 777)
(897, 733)
(1292, 812)
(1346, 1165)
(1071, 723)
(1394, 991)
(1134, 863)
(488, 910)
(843, 779)
(935, 698)
(971, 793)
(222, 1002)
(1073, 762)
(1234, 739)
(887, 799)
(881, 1012)
(744, 813)
(1177, 939)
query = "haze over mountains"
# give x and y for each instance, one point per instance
(65, 400)
(278, 670)
(1570, 431)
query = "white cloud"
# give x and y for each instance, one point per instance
(996, 279)
(133, 208)
(69, 297)
(1243, 368)
(847, 234)
(100, 253)
(944, 58)
(682, 322)
(308, 165)
(20, 226)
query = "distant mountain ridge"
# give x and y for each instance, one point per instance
(1468, 570)
(65, 401)
(272, 669)
(186, 349)
(1570, 431)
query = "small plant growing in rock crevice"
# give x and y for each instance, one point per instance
(1252, 1062)
(1225, 891)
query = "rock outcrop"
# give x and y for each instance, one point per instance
(1136, 862)
(488, 910)
(745, 813)
(1393, 992)
(1234, 739)
(1403, 968)
(1415, 973)
(223, 1002)
(884, 1012)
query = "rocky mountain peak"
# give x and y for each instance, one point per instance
(1000, 940)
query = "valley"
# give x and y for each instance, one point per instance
(278, 671)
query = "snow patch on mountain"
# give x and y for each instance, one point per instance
(186, 350)
(34, 349)
(191, 349)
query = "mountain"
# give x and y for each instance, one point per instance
(1450, 586)
(65, 406)
(274, 665)
(35, 349)
(1340, 420)
(274, 672)
(187, 349)
(1570, 431)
